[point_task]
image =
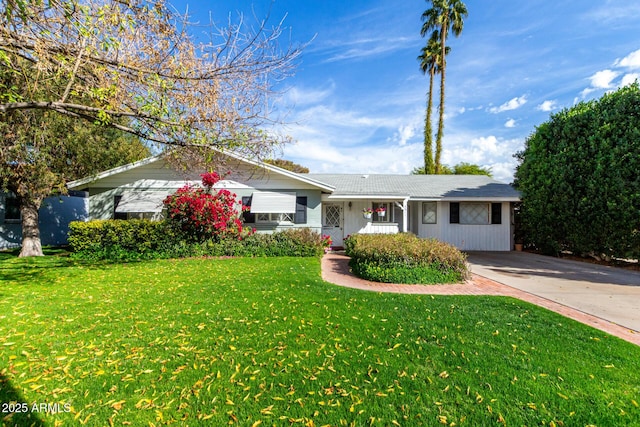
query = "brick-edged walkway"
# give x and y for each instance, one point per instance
(335, 269)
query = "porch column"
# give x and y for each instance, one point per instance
(405, 214)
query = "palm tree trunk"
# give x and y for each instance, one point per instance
(428, 132)
(438, 167)
(31, 244)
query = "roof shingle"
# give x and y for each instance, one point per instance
(418, 186)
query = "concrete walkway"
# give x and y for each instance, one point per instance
(335, 269)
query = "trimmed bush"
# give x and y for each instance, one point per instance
(405, 258)
(117, 240)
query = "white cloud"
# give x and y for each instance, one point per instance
(512, 104)
(627, 79)
(584, 93)
(490, 151)
(303, 96)
(610, 13)
(603, 79)
(404, 133)
(367, 47)
(510, 123)
(631, 61)
(486, 145)
(548, 105)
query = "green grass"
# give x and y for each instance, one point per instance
(267, 342)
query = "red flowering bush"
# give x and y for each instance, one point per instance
(203, 214)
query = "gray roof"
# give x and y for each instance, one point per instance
(426, 187)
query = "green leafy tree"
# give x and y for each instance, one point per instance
(132, 66)
(471, 169)
(288, 165)
(459, 169)
(429, 64)
(578, 174)
(41, 151)
(444, 16)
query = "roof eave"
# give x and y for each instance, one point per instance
(71, 185)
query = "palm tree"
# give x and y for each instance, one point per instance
(429, 63)
(442, 16)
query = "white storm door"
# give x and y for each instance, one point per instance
(332, 223)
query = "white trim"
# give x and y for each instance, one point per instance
(342, 198)
(465, 199)
(84, 181)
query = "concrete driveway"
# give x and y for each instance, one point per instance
(610, 293)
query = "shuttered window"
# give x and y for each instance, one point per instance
(474, 213)
(301, 210)
(454, 213)
(496, 213)
(247, 216)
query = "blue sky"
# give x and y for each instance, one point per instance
(357, 100)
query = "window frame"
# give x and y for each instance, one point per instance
(435, 212)
(275, 218)
(493, 212)
(388, 218)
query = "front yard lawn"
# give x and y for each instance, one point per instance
(266, 342)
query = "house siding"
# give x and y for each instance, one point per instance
(354, 222)
(54, 216)
(243, 181)
(490, 237)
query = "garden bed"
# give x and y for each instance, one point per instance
(405, 258)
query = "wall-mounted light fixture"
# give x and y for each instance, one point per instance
(349, 205)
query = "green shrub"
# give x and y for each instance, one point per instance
(297, 242)
(405, 258)
(117, 240)
(122, 240)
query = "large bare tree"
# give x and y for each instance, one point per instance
(136, 66)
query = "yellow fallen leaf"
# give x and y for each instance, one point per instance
(118, 405)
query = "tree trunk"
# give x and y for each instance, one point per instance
(428, 132)
(441, 118)
(31, 245)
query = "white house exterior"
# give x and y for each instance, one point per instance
(472, 212)
(279, 199)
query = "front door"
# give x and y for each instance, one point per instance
(332, 223)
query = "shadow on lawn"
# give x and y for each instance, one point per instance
(15, 411)
(39, 269)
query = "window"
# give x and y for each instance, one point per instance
(274, 217)
(378, 215)
(429, 213)
(299, 217)
(11, 208)
(475, 213)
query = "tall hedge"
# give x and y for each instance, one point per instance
(579, 175)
